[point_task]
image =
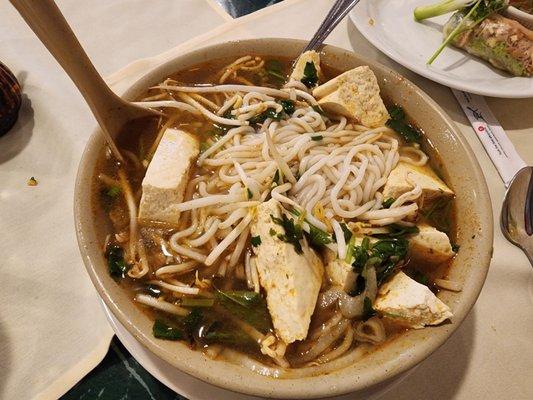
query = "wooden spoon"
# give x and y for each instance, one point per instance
(111, 112)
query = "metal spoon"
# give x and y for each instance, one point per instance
(517, 212)
(339, 10)
(111, 112)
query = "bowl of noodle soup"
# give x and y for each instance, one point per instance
(275, 179)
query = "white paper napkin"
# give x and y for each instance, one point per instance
(52, 328)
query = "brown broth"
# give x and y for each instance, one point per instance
(138, 138)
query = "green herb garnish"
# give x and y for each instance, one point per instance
(288, 106)
(274, 70)
(388, 202)
(249, 193)
(293, 232)
(255, 241)
(317, 138)
(277, 177)
(269, 113)
(398, 123)
(163, 331)
(455, 247)
(116, 263)
(246, 305)
(318, 237)
(310, 78)
(420, 277)
(347, 232)
(272, 232)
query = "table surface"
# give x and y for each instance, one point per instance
(119, 375)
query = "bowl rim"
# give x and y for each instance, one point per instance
(332, 384)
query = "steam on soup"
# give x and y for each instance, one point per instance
(289, 227)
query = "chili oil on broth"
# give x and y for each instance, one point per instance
(139, 140)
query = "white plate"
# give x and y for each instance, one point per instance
(389, 25)
(195, 389)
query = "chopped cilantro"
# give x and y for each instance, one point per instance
(347, 232)
(310, 78)
(249, 193)
(272, 232)
(420, 277)
(288, 106)
(255, 241)
(318, 237)
(116, 263)
(398, 123)
(274, 70)
(269, 113)
(317, 138)
(293, 232)
(388, 202)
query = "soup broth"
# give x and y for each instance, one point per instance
(222, 304)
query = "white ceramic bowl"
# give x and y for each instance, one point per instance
(470, 267)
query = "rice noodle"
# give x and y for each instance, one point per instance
(161, 305)
(371, 331)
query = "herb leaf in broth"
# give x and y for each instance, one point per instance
(275, 73)
(398, 123)
(317, 138)
(255, 241)
(419, 277)
(161, 330)
(220, 333)
(248, 306)
(438, 214)
(245, 298)
(116, 263)
(108, 196)
(396, 230)
(310, 78)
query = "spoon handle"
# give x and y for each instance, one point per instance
(339, 10)
(46, 20)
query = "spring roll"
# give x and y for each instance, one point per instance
(503, 42)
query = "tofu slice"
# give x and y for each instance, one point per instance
(354, 94)
(410, 303)
(430, 246)
(308, 56)
(164, 184)
(432, 186)
(291, 281)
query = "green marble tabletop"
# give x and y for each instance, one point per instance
(119, 375)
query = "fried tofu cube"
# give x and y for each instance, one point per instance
(410, 303)
(354, 94)
(291, 281)
(164, 184)
(430, 245)
(308, 56)
(432, 186)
